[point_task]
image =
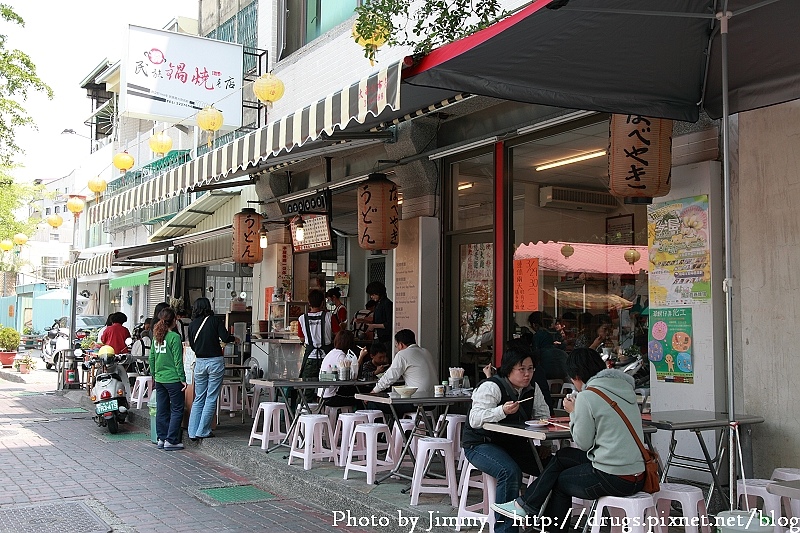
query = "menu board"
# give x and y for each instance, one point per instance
(526, 284)
(317, 230)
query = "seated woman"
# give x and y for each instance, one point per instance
(501, 397)
(607, 461)
(343, 342)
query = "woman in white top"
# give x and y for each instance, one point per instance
(343, 343)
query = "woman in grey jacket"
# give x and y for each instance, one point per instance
(607, 460)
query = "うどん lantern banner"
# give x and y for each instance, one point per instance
(378, 214)
(246, 225)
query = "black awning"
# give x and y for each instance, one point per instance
(627, 56)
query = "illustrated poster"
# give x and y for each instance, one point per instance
(680, 261)
(670, 344)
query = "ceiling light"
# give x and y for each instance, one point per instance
(299, 231)
(563, 119)
(462, 186)
(263, 238)
(569, 160)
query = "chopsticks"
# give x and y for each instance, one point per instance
(526, 399)
(556, 424)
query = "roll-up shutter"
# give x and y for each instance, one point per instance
(155, 293)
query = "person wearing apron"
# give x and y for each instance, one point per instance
(316, 333)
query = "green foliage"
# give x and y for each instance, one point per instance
(9, 339)
(435, 23)
(27, 359)
(18, 79)
(15, 198)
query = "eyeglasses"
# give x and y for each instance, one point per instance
(523, 369)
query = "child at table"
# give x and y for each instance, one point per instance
(373, 361)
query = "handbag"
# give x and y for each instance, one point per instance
(651, 478)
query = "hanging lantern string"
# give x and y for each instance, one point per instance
(188, 121)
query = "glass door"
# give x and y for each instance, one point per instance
(472, 297)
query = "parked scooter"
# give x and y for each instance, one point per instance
(56, 340)
(108, 390)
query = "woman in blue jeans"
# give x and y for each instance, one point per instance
(502, 397)
(205, 333)
(607, 460)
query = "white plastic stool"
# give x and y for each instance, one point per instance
(271, 432)
(345, 425)
(693, 505)
(480, 510)
(333, 412)
(141, 391)
(644, 392)
(396, 446)
(637, 508)
(371, 464)
(229, 399)
(791, 506)
(373, 415)
(426, 447)
(254, 399)
(454, 423)
(757, 488)
(307, 440)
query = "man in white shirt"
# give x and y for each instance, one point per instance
(412, 363)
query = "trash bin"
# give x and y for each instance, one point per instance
(151, 405)
(743, 521)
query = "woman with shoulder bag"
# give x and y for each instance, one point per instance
(205, 333)
(607, 461)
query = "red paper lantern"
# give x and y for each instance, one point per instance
(378, 214)
(639, 157)
(246, 227)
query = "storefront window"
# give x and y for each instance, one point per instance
(471, 191)
(570, 244)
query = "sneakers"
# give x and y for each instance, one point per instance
(509, 509)
(168, 446)
(160, 444)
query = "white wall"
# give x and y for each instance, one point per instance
(707, 393)
(767, 236)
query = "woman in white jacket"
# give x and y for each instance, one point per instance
(607, 460)
(343, 342)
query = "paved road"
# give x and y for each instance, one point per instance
(59, 471)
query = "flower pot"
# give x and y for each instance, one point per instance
(7, 358)
(24, 369)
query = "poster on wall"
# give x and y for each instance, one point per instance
(669, 346)
(526, 284)
(680, 259)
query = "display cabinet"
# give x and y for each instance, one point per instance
(283, 316)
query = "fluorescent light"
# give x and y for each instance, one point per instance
(569, 160)
(462, 186)
(462, 148)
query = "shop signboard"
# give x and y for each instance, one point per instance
(168, 76)
(670, 344)
(316, 234)
(680, 264)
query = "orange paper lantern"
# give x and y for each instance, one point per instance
(246, 227)
(639, 157)
(378, 214)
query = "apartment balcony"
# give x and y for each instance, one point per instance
(145, 173)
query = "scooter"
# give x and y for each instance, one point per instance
(56, 340)
(108, 391)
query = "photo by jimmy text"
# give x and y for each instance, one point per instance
(412, 523)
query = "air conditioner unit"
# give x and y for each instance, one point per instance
(577, 199)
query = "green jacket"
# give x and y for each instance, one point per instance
(598, 430)
(166, 360)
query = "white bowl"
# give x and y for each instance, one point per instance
(405, 392)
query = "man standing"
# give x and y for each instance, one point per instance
(412, 363)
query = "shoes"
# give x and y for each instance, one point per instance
(210, 435)
(160, 444)
(509, 509)
(194, 439)
(168, 446)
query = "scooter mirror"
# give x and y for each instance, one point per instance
(128, 342)
(78, 352)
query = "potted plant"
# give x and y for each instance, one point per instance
(9, 343)
(26, 364)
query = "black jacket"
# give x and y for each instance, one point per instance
(207, 343)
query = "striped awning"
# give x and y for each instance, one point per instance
(86, 267)
(353, 104)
